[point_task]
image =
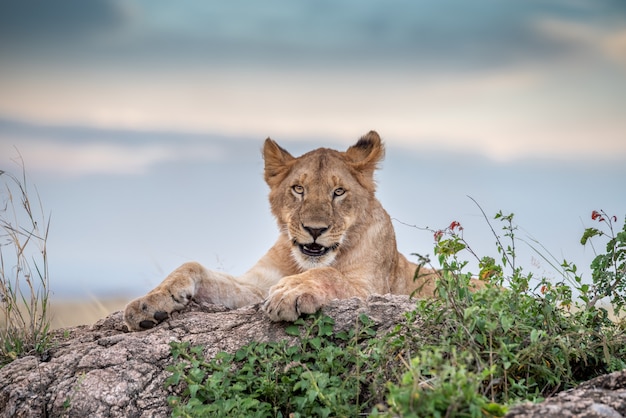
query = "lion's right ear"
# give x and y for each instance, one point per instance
(366, 153)
(277, 162)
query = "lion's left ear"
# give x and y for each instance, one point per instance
(277, 162)
(365, 155)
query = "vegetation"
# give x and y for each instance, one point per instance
(24, 281)
(323, 374)
(505, 346)
(466, 353)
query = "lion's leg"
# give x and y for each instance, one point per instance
(189, 281)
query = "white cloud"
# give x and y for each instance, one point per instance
(615, 46)
(75, 159)
(590, 41)
(563, 109)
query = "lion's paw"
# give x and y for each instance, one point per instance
(286, 303)
(150, 310)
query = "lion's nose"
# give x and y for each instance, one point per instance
(315, 232)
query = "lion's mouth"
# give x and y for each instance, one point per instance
(314, 249)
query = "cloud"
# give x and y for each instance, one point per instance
(78, 151)
(615, 46)
(585, 40)
(65, 20)
(509, 79)
(517, 113)
(356, 34)
(85, 159)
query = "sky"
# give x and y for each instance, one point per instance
(141, 122)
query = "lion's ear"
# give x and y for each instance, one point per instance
(366, 153)
(277, 162)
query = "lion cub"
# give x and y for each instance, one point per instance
(335, 241)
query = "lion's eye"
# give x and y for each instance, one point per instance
(339, 191)
(298, 189)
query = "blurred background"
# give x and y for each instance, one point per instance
(141, 122)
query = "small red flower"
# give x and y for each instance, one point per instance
(438, 234)
(455, 225)
(597, 216)
(544, 289)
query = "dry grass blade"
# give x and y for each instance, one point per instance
(24, 279)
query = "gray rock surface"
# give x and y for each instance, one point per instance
(105, 371)
(604, 396)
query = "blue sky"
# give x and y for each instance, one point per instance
(141, 121)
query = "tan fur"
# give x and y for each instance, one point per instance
(335, 242)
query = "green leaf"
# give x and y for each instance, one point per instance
(173, 380)
(316, 343)
(292, 330)
(241, 354)
(507, 322)
(326, 329)
(534, 336)
(197, 374)
(193, 390)
(496, 409)
(343, 336)
(589, 233)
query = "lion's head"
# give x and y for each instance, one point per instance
(320, 197)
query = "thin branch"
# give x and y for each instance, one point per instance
(493, 231)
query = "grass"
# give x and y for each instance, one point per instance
(27, 313)
(24, 279)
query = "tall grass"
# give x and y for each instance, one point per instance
(24, 279)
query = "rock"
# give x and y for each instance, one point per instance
(106, 371)
(604, 396)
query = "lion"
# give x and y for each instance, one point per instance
(335, 242)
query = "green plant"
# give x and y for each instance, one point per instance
(323, 374)
(439, 384)
(67, 403)
(609, 269)
(502, 345)
(24, 281)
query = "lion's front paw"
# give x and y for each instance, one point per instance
(287, 303)
(147, 311)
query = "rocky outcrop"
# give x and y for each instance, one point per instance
(106, 371)
(604, 396)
